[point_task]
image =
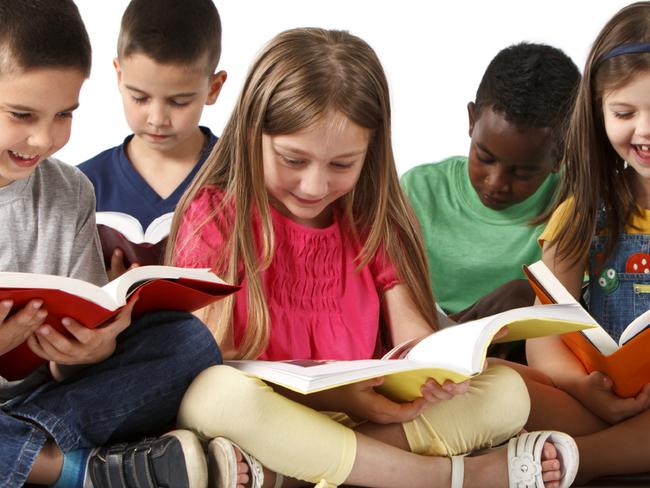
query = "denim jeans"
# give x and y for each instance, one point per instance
(135, 391)
(619, 289)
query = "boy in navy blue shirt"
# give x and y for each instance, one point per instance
(167, 55)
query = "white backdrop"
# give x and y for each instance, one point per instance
(433, 52)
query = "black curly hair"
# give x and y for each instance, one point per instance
(532, 85)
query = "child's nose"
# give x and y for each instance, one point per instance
(642, 128)
(157, 115)
(314, 183)
(497, 178)
(41, 138)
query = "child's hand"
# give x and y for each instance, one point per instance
(361, 401)
(117, 267)
(513, 294)
(433, 392)
(595, 392)
(21, 325)
(86, 346)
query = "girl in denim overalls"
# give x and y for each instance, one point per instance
(603, 227)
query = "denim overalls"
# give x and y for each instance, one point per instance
(619, 289)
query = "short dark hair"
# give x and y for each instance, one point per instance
(43, 34)
(532, 85)
(172, 31)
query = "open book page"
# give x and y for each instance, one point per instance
(638, 325)
(73, 286)
(130, 227)
(119, 288)
(466, 344)
(542, 277)
(159, 228)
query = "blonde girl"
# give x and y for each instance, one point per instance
(604, 227)
(300, 202)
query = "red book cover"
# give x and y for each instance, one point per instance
(178, 293)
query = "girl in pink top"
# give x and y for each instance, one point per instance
(300, 202)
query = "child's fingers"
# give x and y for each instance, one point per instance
(29, 314)
(121, 321)
(5, 308)
(35, 346)
(78, 331)
(57, 347)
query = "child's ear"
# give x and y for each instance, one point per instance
(118, 71)
(216, 83)
(471, 115)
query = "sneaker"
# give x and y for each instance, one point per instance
(175, 460)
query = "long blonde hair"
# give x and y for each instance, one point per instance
(300, 77)
(594, 170)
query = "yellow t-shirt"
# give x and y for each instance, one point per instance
(639, 224)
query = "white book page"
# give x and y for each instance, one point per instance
(126, 224)
(637, 326)
(73, 286)
(159, 228)
(597, 335)
(119, 287)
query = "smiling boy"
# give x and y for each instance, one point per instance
(112, 383)
(479, 213)
(167, 55)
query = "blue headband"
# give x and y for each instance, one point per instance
(631, 48)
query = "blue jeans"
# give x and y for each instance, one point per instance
(137, 390)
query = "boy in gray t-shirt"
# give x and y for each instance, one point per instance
(118, 381)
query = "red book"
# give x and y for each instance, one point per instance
(120, 230)
(157, 288)
(626, 362)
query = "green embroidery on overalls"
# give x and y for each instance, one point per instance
(608, 280)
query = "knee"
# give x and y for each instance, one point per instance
(217, 397)
(505, 404)
(179, 335)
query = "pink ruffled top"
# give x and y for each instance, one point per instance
(320, 306)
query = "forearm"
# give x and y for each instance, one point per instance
(552, 357)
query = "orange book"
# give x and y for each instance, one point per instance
(145, 247)
(626, 362)
(157, 288)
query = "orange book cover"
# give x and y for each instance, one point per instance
(627, 363)
(157, 288)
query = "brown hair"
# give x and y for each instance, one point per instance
(180, 32)
(594, 171)
(43, 34)
(300, 77)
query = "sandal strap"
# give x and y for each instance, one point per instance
(457, 471)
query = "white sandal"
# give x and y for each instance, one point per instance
(222, 466)
(524, 460)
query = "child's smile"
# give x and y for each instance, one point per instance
(305, 172)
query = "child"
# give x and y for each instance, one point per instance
(167, 55)
(115, 382)
(300, 202)
(479, 214)
(604, 220)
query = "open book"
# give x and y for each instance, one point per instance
(117, 229)
(456, 353)
(156, 288)
(627, 362)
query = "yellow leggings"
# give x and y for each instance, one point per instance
(299, 442)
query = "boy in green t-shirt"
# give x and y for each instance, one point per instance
(480, 215)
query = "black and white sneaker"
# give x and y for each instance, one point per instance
(175, 460)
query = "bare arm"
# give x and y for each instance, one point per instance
(550, 355)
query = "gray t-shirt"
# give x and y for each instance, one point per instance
(48, 226)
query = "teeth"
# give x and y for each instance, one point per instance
(23, 156)
(644, 148)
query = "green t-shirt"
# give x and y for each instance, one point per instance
(471, 248)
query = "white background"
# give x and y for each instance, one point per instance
(434, 54)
